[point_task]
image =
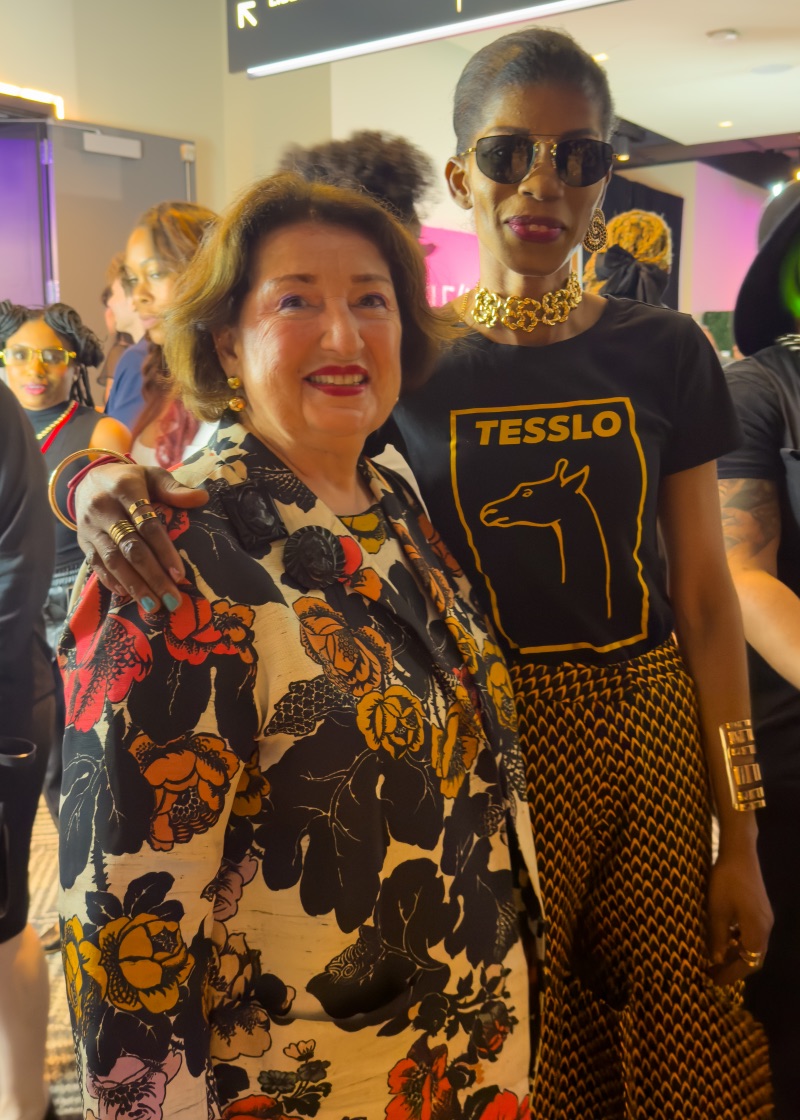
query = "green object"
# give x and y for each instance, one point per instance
(720, 323)
(789, 280)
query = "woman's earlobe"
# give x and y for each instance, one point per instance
(457, 184)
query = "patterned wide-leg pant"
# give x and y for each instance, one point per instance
(618, 788)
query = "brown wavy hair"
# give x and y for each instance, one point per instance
(210, 293)
(176, 229)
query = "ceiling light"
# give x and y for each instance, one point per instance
(723, 35)
(622, 148)
(602, 57)
(776, 189)
(726, 124)
(35, 95)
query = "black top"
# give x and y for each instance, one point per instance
(766, 392)
(26, 565)
(74, 436)
(541, 469)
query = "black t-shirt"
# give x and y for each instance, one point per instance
(541, 469)
(766, 393)
(74, 436)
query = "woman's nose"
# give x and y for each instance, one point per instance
(342, 332)
(542, 180)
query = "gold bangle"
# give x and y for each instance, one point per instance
(741, 766)
(54, 477)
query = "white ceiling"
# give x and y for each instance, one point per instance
(668, 76)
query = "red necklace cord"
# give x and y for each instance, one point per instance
(65, 419)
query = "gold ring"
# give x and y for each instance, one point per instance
(750, 957)
(132, 508)
(140, 518)
(91, 452)
(119, 530)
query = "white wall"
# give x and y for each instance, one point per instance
(409, 92)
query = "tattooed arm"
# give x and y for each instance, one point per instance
(771, 611)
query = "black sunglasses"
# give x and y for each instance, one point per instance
(508, 159)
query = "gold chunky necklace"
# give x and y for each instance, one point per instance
(523, 313)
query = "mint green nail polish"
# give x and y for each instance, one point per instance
(171, 603)
(149, 604)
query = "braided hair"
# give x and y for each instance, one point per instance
(72, 332)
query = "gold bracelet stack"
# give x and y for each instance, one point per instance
(741, 765)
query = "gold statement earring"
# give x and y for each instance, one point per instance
(596, 235)
(236, 403)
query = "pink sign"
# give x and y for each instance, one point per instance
(453, 266)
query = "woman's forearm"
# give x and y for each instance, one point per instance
(771, 615)
(712, 642)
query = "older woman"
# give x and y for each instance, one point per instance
(293, 807)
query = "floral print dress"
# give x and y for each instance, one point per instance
(296, 860)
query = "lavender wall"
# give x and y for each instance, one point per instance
(21, 268)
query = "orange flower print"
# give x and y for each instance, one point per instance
(190, 778)
(453, 752)
(505, 1106)
(139, 963)
(199, 628)
(465, 642)
(368, 582)
(434, 580)
(355, 661)
(499, 686)
(439, 547)
(392, 720)
(253, 787)
(420, 1086)
(73, 965)
(256, 1108)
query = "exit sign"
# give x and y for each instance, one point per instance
(270, 36)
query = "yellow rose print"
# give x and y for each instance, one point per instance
(392, 720)
(453, 753)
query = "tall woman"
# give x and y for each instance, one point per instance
(552, 444)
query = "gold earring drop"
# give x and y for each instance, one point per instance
(236, 403)
(597, 234)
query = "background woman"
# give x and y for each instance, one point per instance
(636, 261)
(165, 239)
(287, 880)
(552, 444)
(46, 354)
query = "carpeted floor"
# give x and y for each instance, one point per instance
(43, 880)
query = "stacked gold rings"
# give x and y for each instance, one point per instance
(751, 958)
(141, 511)
(119, 530)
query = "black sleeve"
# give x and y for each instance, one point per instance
(758, 407)
(27, 553)
(705, 424)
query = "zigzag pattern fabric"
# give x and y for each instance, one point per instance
(633, 1027)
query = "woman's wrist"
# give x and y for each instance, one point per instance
(77, 479)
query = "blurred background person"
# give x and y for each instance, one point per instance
(390, 168)
(47, 354)
(122, 323)
(162, 243)
(760, 496)
(27, 704)
(636, 261)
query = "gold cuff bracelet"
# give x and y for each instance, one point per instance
(741, 765)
